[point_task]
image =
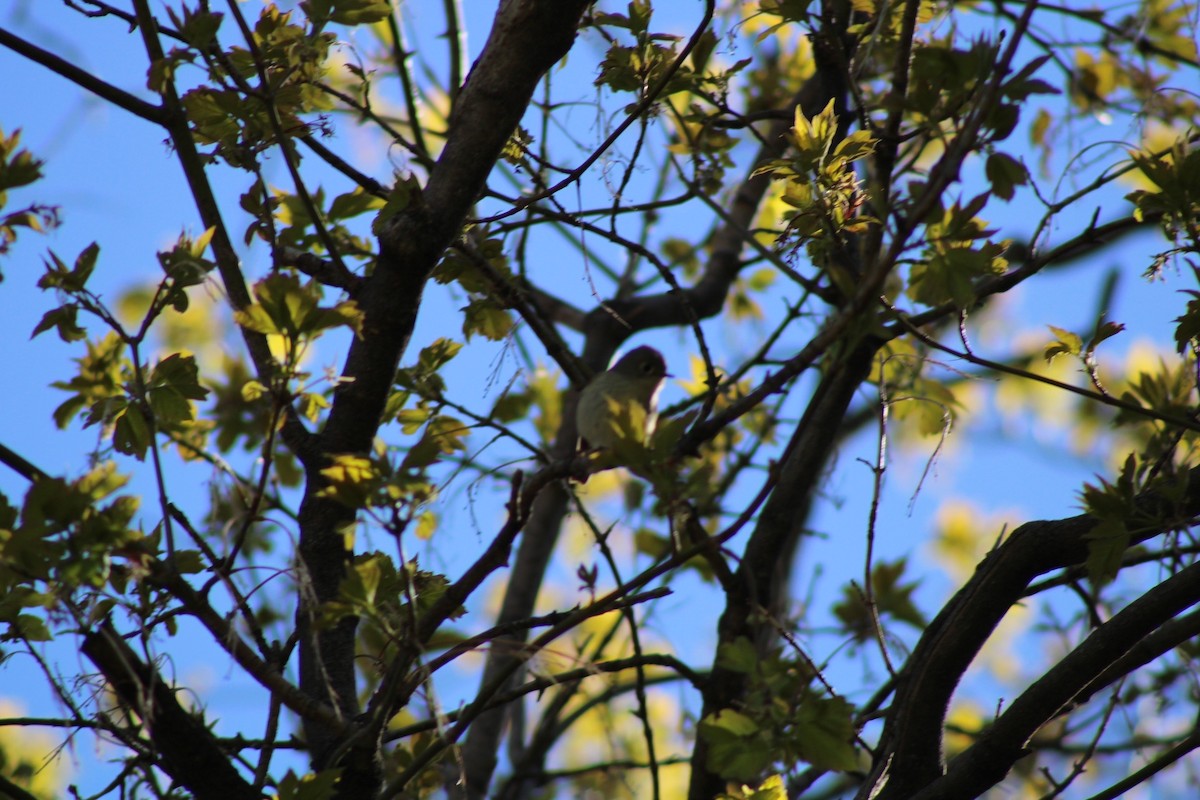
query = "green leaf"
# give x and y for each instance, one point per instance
(345, 313)
(855, 147)
(177, 376)
(70, 279)
(772, 788)
(1187, 329)
(32, 628)
(892, 596)
(17, 167)
(1106, 543)
(651, 543)
(362, 581)
(1005, 173)
(1021, 85)
(101, 481)
(171, 387)
(427, 523)
(732, 722)
(761, 279)
(459, 267)
(735, 747)
(739, 656)
(188, 562)
(813, 137)
(214, 114)
(8, 513)
(318, 786)
(288, 308)
(825, 732)
(511, 406)
(1107, 330)
(179, 373)
(353, 204)
(63, 319)
(1066, 343)
(1112, 504)
(131, 432)
(252, 390)
(436, 355)
(423, 376)
(443, 435)
(951, 272)
(198, 28)
(185, 265)
(485, 317)
(255, 318)
(411, 419)
(935, 282)
(311, 404)
(346, 12)
(170, 409)
(36, 218)
(403, 193)
(358, 12)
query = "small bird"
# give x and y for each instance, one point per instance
(625, 395)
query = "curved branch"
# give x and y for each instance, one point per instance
(988, 760)
(909, 757)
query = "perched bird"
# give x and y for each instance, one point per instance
(624, 397)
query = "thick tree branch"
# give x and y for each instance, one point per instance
(910, 755)
(761, 579)
(1167, 637)
(528, 38)
(988, 760)
(190, 753)
(13, 791)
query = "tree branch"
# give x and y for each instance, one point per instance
(761, 580)
(1002, 744)
(909, 756)
(20, 465)
(528, 38)
(84, 79)
(190, 753)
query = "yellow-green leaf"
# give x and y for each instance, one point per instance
(350, 479)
